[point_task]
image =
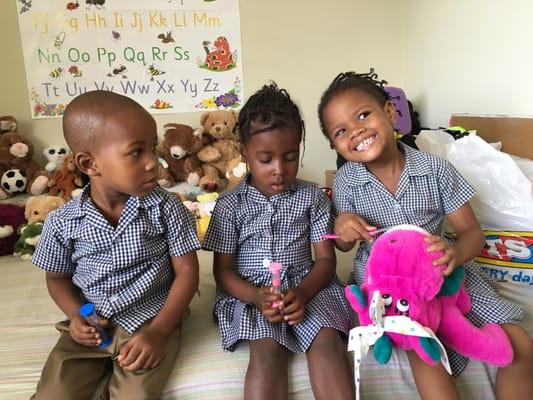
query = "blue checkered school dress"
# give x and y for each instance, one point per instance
(429, 188)
(126, 271)
(281, 229)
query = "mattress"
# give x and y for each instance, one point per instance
(203, 369)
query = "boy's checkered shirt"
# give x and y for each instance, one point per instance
(125, 271)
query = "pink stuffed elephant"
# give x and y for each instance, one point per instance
(401, 269)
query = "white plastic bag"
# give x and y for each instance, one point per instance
(504, 196)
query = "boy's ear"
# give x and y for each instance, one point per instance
(85, 163)
(390, 110)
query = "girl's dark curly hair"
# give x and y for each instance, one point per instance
(268, 109)
(368, 82)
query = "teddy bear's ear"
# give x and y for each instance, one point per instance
(170, 126)
(204, 117)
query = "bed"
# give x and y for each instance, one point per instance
(203, 369)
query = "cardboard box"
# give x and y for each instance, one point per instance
(330, 173)
(515, 133)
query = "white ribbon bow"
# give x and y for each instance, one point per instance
(362, 337)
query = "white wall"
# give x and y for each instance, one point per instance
(473, 56)
(300, 44)
(449, 55)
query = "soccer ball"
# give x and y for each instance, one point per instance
(14, 181)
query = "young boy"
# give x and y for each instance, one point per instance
(124, 245)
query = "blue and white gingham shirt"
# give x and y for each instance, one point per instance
(125, 271)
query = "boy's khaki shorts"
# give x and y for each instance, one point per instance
(76, 372)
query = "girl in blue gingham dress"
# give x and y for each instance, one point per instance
(272, 216)
(386, 183)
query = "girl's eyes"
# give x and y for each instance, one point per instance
(288, 157)
(363, 115)
(340, 132)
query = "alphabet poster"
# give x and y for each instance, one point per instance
(171, 56)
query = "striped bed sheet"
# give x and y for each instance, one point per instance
(203, 369)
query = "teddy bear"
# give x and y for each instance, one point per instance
(221, 146)
(55, 155)
(35, 212)
(178, 149)
(8, 124)
(16, 152)
(11, 217)
(406, 301)
(66, 181)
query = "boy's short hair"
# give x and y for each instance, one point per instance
(86, 114)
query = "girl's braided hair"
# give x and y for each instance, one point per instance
(268, 109)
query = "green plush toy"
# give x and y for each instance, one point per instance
(29, 237)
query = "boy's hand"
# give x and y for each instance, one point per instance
(293, 306)
(144, 350)
(83, 333)
(449, 258)
(264, 298)
(351, 227)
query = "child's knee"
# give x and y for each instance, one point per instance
(522, 345)
(328, 341)
(267, 355)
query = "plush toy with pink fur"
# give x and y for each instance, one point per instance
(402, 270)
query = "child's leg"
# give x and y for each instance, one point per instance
(432, 381)
(147, 384)
(72, 371)
(329, 368)
(267, 373)
(516, 380)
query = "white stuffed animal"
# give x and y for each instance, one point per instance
(56, 156)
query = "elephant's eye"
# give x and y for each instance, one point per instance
(402, 305)
(387, 299)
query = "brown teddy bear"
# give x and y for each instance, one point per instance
(16, 152)
(178, 149)
(66, 181)
(219, 128)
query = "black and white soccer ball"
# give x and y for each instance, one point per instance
(14, 181)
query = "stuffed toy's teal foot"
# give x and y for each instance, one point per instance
(452, 283)
(431, 348)
(383, 349)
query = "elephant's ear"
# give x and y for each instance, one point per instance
(452, 283)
